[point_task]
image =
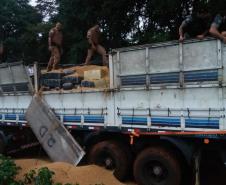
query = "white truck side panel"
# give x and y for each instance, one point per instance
(181, 89)
(15, 102)
(132, 57)
(200, 56)
(164, 59)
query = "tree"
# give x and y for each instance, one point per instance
(17, 17)
(24, 29)
(47, 8)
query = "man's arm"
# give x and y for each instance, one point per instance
(51, 33)
(182, 26)
(214, 31)
(215, 26)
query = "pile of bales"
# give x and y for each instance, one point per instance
(76, 77)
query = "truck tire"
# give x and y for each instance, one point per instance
(156, 166)
(2, 146)
(112, 156)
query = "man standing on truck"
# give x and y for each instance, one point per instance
(196, 25)
(93, 37)
(218, 26)
(55, 46)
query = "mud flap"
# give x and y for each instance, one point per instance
(51, 133)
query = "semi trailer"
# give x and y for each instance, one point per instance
(164, 107)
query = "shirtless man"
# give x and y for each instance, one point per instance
(218, 27)
(55, 46)
(93, 37)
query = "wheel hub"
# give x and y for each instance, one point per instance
(109, 163)
(157, 170)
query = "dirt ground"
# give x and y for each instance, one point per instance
(66, 173)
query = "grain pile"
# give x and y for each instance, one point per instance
(66, 173)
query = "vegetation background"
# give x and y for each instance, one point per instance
(24, 28)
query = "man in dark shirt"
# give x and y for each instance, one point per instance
(196, 25)
(218, 26)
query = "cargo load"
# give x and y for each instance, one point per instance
(76, 77)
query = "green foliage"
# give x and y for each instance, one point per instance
(17, 17)
(44, 177)
(8, 171)
(29, 177)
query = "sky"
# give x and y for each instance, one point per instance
(33, 2)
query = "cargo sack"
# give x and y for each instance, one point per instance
(51, 83)
(52, 75)
(102, 83)
(68, 71)
(75, 80)
(68, 86)
(87, 84)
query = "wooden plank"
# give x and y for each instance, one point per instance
(51, 133)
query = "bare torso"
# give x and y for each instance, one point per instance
(56, 36)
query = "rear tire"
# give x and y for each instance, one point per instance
(2, 146)
(112, 156)
(157, 166)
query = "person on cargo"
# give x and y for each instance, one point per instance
(93, 37)
(195, 26)
(218, 26)
(55, 46)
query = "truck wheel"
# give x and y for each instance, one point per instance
(156, 166)
(113, 157)
(2, 147)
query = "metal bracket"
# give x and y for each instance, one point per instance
(181, 79)
(118, 113)
(188, 112)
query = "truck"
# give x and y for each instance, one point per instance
(164, 109)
